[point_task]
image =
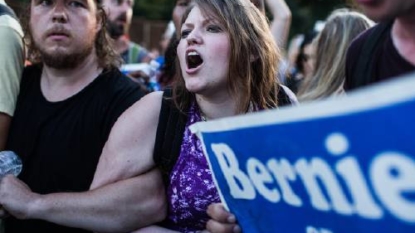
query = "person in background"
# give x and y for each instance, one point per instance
(68, 102)
(179, 9)
(292, 53)
(304, 62)
(164, 42)
(228, 66)
(168, 72)
(280, 25)
(341, 27)
(11, 66)
(386, 50)
(120, 13)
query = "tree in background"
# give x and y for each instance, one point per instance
(154, 9)
(304, 12)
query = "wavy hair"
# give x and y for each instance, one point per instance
(254, 57)
(342, 26)
(107, 57)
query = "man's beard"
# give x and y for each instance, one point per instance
(116, 30)
(59, 60)
(65, 60)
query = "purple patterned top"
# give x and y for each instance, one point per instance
(191, 188)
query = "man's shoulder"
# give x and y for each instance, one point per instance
(358, 43)
(136, 53)
(9, 20)
(33, 68)
(136, 48)
(367, 43)
(363, 53)
(6, 10)
(116, 82)
(32, 71)
(115, 78)
(133, 45)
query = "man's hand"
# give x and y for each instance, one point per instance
(141, 78)
(16, 197)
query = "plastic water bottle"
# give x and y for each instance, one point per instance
(153, 84)
(10, 163)
(149, 69)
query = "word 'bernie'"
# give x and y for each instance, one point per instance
(391, 175)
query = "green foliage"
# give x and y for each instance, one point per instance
(154, 9)
(306, 12)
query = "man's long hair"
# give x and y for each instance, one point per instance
(107, 57)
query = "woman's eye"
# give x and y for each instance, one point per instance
(183, 3)
(185, 33)
(214, 28)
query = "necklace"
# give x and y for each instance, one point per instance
(250, 109)
(203, 116)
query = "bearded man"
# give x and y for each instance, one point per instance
(69, 100)
(119, 14)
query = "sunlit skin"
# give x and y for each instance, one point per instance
(207, 37)
(55, 26)
(308, 64)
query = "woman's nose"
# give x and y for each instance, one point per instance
(194, 38)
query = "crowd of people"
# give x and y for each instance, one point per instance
(104, 152)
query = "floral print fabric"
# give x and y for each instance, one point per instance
(191, 188)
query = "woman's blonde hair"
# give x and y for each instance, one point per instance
(342, 26)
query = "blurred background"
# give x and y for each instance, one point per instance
(152, 16)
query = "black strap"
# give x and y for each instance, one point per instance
(5, 10)
(363, 72)
(169, 137)
(283, 98)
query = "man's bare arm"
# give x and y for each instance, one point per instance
(130, 194)
(280, 25)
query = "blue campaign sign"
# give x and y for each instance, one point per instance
(345, 165)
